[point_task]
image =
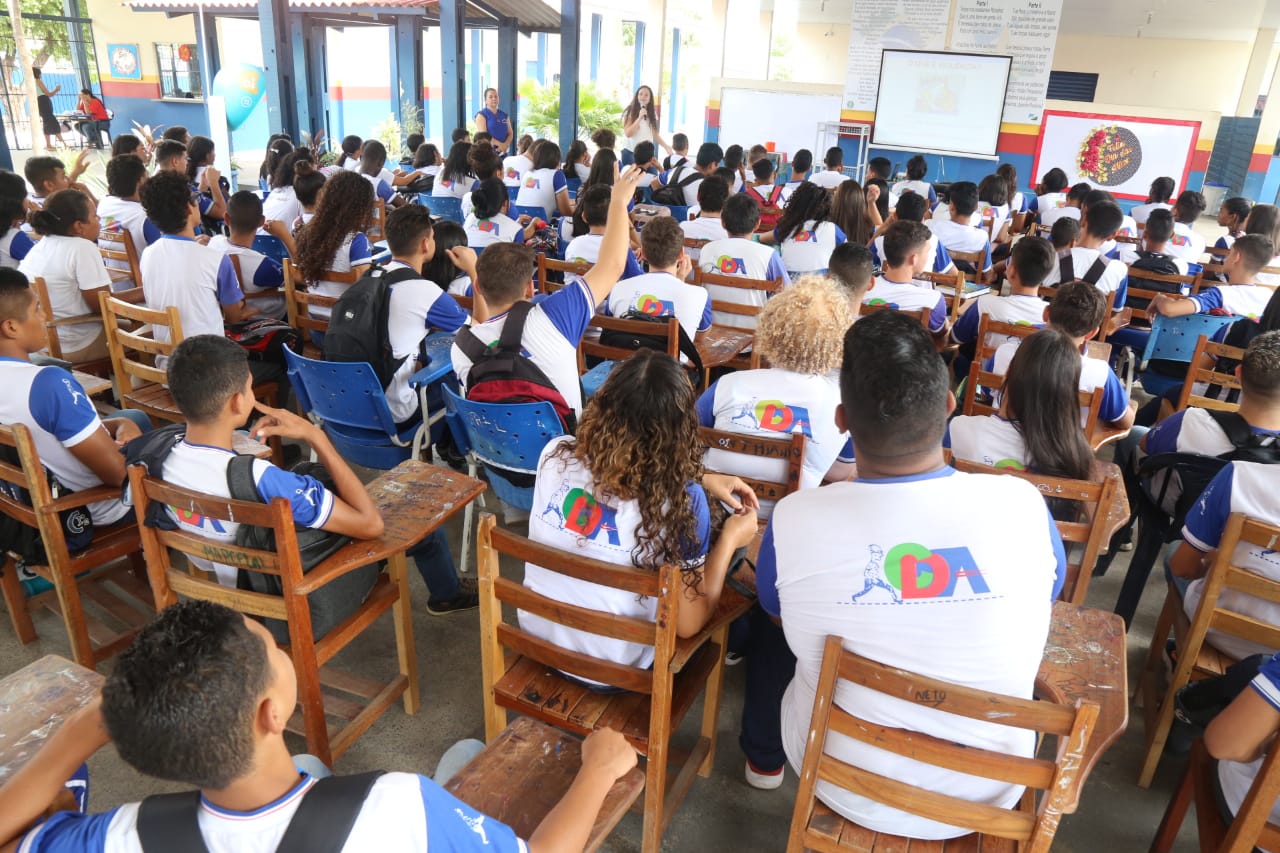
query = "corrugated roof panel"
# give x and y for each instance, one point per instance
(532, 14)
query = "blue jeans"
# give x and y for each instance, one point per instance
(770, 668)
(435, 564)
(139, 419)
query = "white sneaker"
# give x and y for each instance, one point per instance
(732, 659)
(763, 780)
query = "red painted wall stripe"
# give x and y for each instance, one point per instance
(1258, 162)
(1016, 143)
(713, 116)
(360, 93)
(130, 89)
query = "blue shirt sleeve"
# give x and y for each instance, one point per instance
(268, 274)
(1207, 300)
(455, 826)
(966, 328)
(1122, 291)
(938, 315)
(66, 831)
(875, 254)
(60, 406)
(229, 292)
(20, 245)
(1031, 205)
(1114, 399)
(1267, 681)
(570, 310)
(150, 232)
(519, 238)
(767, 575)
(1220, 243)
(632, 267)
(1060, 554)
(986, 259)
(1208, 517)
(706, 406)
(309, 501)
(559, 183)
(941, 259)
(385, 192)
(205, 203)
(359, 251)
(707, 317)
(846, 452)
(1220, 336)
(841, 239)
(933, 195)
(946, 437)
(775, 269)
(695, 553)
(446, 314)
(1163, 437)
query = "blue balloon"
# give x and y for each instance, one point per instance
(241, 87)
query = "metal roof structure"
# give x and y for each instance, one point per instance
(530, 15)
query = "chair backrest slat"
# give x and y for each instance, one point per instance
(1211, 376)
(628, 578)
(571, 616)
(591, 347)
(567, 660)
(790, 450)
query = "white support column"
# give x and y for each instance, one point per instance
(1256, 72)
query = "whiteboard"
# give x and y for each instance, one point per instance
(788, 119)
(949, 103)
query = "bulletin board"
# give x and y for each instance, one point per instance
(1122, 154)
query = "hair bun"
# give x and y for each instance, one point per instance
(302, 167)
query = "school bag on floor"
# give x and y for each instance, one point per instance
(358, 323)
(672, 194)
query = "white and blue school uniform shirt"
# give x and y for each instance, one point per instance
(14, 246)
(1095, 375)
(958, 237)
(203, 468)
(1017, 308)
(586, 249)
(1226, 241)
(1048, 217)
(70, 266)
(911, 297)
(923, 188)
(828, 179)
(204, 200)
(1042, 204)
(905, 580)
(744, 258)
(496, 229)
(195, 279)
(702, 228)
(1141, 213)
(382, 189)
(258, 273)
(123, 214)
(1242, 300)
(416, 306)
(403, 812)
(1185, 243)
(353, 254)
(809, 249)
(540, 187)
(569, 513)
(460, 286)
(987, 440)
(1114, 278)
(679, 174)
(941, 259)
(552, 332)
(790, 187)
(776, 403)
(282, 205)
(513, 169)
(1250, 488)
(53, 405)
(1236, 777)
(452, 187)
(661, 294)
(1188, 431)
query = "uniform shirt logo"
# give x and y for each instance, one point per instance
(912, 572)
(727, 265)
(652, 306)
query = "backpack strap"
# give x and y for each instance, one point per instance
(512, 333)
(1095, 272)
(684, 182)
(774, 195)
(170, 822)
(240, 479)
(399, 275)
(1066, 269)
(327, 813)
(1236, 428)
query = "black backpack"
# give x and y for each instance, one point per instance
(358, 323)
(672, 194)
(17, 538)
(1067, 270)
(502, 373)
(658, 343)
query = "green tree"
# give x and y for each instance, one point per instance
(540, 110)
(47, 39)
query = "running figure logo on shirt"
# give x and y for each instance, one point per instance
(913, 572)
(726, 265)
(477, 825)
(871, 577)
(652, 306)
(775, 416)
(575, 510)
(75, 395)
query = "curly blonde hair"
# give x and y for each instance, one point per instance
(639, 440)
(802, 328)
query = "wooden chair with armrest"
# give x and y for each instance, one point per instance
(590, 347)
(257, 296)
(564, 268)
(922, 314)
(1252, 828)
(117, 248)
(100, 592)
(1197, 657)
(298, 303)
(1212, 377)
(523, 672)
(944, 281)
(976, 261)
(1024, 827)
(751, 295)
(1137, 277)
(377, 229)
(310, 655)
(53, 343)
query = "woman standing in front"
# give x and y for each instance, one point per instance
(640, 123)
(495, 122)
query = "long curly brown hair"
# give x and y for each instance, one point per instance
(344, 209)
(639, 440)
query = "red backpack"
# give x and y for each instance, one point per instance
(768, 221)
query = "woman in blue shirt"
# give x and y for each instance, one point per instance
(495, 122)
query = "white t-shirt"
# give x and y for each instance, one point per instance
(643, 133)
(828, 179)
(776, 403)
(123, 214)
(958, 237)
(1143, 211)
(197, 280)
(1242, 300)
(746, 259)
(353, 254)
(809, 249)
(513, 169)
(1236, 777)
(941, 258)
(923, 188)
(258, 273)
(661, 294)
(568, 513)
(1185, 243)
(1019, 309)
(552, 332)
(1114, 278)
(845, 560)
(496, 229)
(416, 306)
(451, 188)
(702, 228)
(909, 296)
(1052, 215)
(402, 812)
(69, 265)
(282, 205)
(988, 440)
(540, 188)
(52, 404)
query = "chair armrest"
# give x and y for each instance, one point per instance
(430, 374)
(74, 321)
(732, 605)
(86, 497)
(330, 570)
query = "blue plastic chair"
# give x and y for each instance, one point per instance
(506, 438)
(348, 402)
(679, 212)
(442, 207)
(270, 246)
(522, 209)
(1174, 339)
(512, 192)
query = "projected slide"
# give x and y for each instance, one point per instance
(949, 103)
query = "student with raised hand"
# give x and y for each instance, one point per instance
(1240, 296)
(801, 165)
(663, 291)
(880, 169)
(121, 208)
(595, 204)
(955, 233)
(68, 260)
(917, 168)
(258, 273)
(840, 560)
(503, 277)
(334, 240)
(1232, 215)
(1159, 197)
(1038, 425)
(489, 222)
(544, 185)
(799, 334)
(47, 175)
(1030, 261)
(832, 176)
(14, 242)
(912, 207)
(742, 256)
(805, 235)
(1186, 243)
(906, 253)
(1087, 262)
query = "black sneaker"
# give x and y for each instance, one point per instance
(445, 606)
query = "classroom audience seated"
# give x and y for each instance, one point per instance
(308, 184)
(955, 233)
(906, 253)
(1240, 296)
(1065, 233)
(204, 178)
(1050, 193)
(258, 272)
(917, 168)
(854, 212)
(121, 208)
(489, 222)
(544, 185)
(334, 240)
(1264, 219)
(805, 235)
(1086, 261)
(740, 255)
(594, 208)
(514, 167)
(912, 207)
(455, 178)
(441, 269)
(765, 191)
(663, 291)
(688, 177)
(832, 176)
(733, 161)
(679, 152)
(170, 156)
(1070, 206)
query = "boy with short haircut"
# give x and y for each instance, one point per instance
(1078, 309)
(851, 268)
(81, 450)
(911, 207)
(1064, 234)
(662, 291)
(880, 169)
(460, 134)
(1128, 227)
(47, 175)
(176, 133)
(1071, 206)
(1087, 262)
(171, 156)
(765, 191)
(1029, 263)
(595, 205)
(258, 273)
(956, 234)
(1186, 243)
(709, 157)
(906, 254)
(554, 327)
(842, 560)
(679, 152)
(917, 168)
(713, 193)
(740, 255)
(200, 660)
(833, 176)
(121, 209)
(1240, 296)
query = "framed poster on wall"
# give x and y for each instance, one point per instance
(1122, 154)
(125, 64)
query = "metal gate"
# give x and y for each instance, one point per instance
(60, 41)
